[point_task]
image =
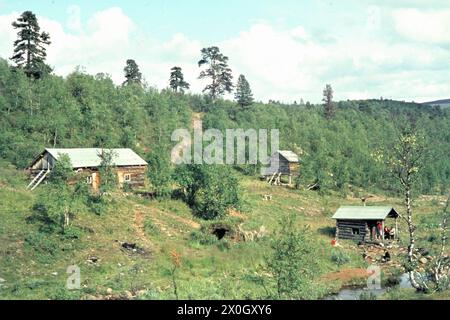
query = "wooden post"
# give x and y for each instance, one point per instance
(382, 231)
(337, 230)
(396, 229)
(290, 180)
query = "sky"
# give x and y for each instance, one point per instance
(287, 49)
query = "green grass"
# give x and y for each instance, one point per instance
(35, 264)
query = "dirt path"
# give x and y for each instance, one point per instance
(139, 227)
(183, 220)
(347, 275)
(139, 217)
(155, 215)
(197, 121)
(196, 124)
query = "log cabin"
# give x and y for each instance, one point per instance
(130, 168)
(282, 162)
(359, 223)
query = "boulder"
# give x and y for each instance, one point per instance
(423, 252)
(109, 291)
(92, 259)
(423, 260)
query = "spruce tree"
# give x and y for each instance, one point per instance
(243, 93)
(177, 82)
(29, 48)
(132, 73)
(218, 71)
(328, 102)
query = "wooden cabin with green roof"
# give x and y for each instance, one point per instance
(359, 223)
(130, 168)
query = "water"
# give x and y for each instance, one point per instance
(355, 293)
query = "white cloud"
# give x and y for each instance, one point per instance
(7, 34)
(284, 64)
(74, 20)
(423, 26)
(281, 66)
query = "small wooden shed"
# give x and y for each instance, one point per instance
(130, 168)
(360, 222)
(282, 162)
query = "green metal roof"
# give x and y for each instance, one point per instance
(364, 213)
(90, 157)
(289, 155)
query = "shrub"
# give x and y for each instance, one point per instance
(108, 182)
(224, 245)
(291, 260)
(161, 174)
(44, 245)
(127, 187)
(61, 293)
(203, 238)
(367, 296)
(339, 257)
(209, 189)
(97, 204)
(72, 233)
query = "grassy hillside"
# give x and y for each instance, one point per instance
(34, 264)
(128, 250)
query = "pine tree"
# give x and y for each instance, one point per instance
(29, 48)
(328, 102)
(218, 71)
(132, 73)
(177, 82)
(243, 94)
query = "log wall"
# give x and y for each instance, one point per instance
(345, 230)
(137, 175)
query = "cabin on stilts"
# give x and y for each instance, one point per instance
(366, 223)
(282, 163)
(129, 167)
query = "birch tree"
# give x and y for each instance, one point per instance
(406, 159)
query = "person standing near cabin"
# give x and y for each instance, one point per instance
(386, 232)
(392, 233)
(380, 230)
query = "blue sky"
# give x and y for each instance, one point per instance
(206, 20)
(288, 49)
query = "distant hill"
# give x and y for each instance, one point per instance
(442, 103)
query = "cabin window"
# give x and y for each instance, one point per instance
(89, 179)
(355, 231)
(127, 177)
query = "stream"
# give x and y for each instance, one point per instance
(355, 293)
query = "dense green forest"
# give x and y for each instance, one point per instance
(82, 110)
